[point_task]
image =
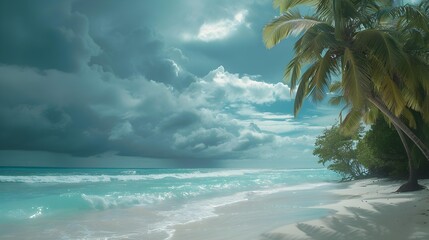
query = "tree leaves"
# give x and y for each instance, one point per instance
(354, 40)
(338, 152)
(290, 23)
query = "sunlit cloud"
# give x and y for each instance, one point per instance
(126, 87)
(244, 89)
(223, 28)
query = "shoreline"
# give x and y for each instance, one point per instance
(313, 209)
(366, 209)
(258, 214)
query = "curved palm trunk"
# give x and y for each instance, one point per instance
(398, 123)
(412, 184)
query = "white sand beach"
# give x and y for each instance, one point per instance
(364, 209)
(367, 209)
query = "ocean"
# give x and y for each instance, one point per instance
(55, 203)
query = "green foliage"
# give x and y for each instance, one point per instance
(389, 153)
(389, 156)
(366, 156)
(339, 152)
(381, 52)
(375, 152)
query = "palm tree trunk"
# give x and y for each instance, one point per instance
(412, 184)
(398, 123)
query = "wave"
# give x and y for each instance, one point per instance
(115, 201)
(130, 176)
(204, 208)
(55, 179)
(142, 199)
(129, 172)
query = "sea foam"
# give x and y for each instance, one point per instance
(199, 210)
(130, 176)
(125, 200)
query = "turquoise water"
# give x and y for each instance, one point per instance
(134, 203)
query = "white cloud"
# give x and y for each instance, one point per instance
(220, 83)
(222, 28)
(276, 123)
(215, 117)
(175, 67)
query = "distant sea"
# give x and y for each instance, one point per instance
(55, 203)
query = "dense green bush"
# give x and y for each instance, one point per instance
(391, 159)
(378, 151)
(339, 153)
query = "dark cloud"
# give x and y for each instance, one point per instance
(133, 38)
(44, 34)
(130, 45)
(52, 129)
(179, 120)
(92, 112)
(133, 52)
(104, 79)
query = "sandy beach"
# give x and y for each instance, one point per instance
(366, 209)
(297, 205)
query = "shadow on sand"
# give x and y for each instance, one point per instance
(385, 221)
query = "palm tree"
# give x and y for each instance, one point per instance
(412, 22)
(347, 39)
(370, 117)
(344, 38)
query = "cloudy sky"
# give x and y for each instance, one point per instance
(154, 83)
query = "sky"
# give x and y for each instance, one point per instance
(154, 83)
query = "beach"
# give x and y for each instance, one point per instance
(366, 209)
(210, 204)
(158, 204)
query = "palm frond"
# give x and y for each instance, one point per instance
(321, 80)
(335, 86)
(340, 115)
(390, 94)
(371, 115)
(412, 98)
(420, 73)
(367, 11)
(382, 46)
(349, 9)
(388, 87)
(409, 15)
(291, 23)
(303, 90)
(351, 122)
(293, 70)
(424, 5)
(324, 10)
(336, 100)
(416, 42)
(355, 77)
(315, 41)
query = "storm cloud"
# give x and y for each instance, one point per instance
(136, 79)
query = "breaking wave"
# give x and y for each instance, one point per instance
(129, 176)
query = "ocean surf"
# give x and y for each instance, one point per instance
(52, 203)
